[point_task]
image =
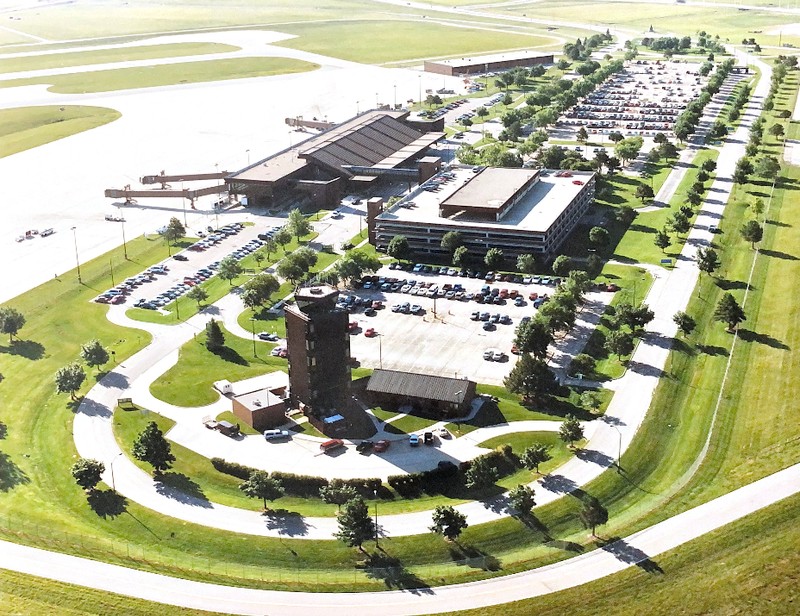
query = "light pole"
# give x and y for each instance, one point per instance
(124, 243)
(248, 157)
(380, 351)
(77, 261)
(376, 101)
(395, 96)
(358, 109)
(113, 483)
(183, 199)
(375, 492)
(619, 448)
(253, 331)
(111, 265)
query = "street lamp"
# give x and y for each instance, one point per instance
(619, 448)
(124, 243)
(113, 483)
(395, 96)
(248, 157)
(380, 351)
(253, 331)
(77, 261)
(375, 492)
(358, 109)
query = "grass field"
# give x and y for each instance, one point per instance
(403, 40)
(164, 75)
(23, 128)
(519, 441)
(107, 56)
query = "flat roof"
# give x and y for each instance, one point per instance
(535, 212)
(494, 57)
(491, 188)
(270, 380)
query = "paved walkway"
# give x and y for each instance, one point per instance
(639, 549)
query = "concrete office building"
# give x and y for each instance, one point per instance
(318, 347)
(517, 210)
(489, 63)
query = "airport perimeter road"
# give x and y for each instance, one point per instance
(641, 547)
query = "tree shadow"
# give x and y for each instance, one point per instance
(596, 457)
(3, 430)
(113, 380)
(11, 475)
(181, 488)
(391, 571)
(470, 556)
(230, 355)
(558, 484)
(288, 523)
(777, 223)
(644, 369)
(778, 254)
(629, 554)
(24, 348)
(733, 285)
(710, 349)
(107, 503)
(751, 336)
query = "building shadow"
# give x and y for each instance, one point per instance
(630, 555)
(107, 503)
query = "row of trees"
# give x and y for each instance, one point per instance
(70, 378)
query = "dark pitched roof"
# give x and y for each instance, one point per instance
(429, 387)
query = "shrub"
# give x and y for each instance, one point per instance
(232, 468)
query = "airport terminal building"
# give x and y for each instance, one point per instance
(517, 210)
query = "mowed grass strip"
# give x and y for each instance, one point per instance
(109, 56)
(402, 40)
(164, 75)
(23, 128)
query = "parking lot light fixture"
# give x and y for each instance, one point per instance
(124, 243)
(77, 261)
(253, 331)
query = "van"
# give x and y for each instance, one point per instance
(332, 444)
(272, 435)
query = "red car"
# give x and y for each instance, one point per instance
(381, 446)
(370, 333)
(352, 326)
(377, 304)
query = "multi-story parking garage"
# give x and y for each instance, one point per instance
(517, 210)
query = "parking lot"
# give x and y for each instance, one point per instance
(443, 338)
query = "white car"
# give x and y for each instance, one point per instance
(273, 435)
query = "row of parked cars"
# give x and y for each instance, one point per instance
(215, 237)
(120, 293)
(438, 113)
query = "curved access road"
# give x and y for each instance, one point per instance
(638, 549)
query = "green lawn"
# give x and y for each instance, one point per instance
(519, 441)
(23, 128)
(108, 56)
(164, 75)
(403, 40)
(189, 382)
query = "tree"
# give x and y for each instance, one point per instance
(298, 224)
(708, 260)
(752, 232)
(399, 248)
(229, 268)
(598, 236)
(259, 289)
(460, 256)
(534, 336)
(87, 473)
(451, 240)
(355, 524)
(593, 514)
(776, 130)
(625, 214)
(729, 312)
(260, 485)
(533, 456)
(767, 167)
(709, 165)
(562, 265)
(197, 293)
(635, 317)
(685, 323)
(668, 150)
(11, 321)
(659, 138)
(616, 136)
(590, 400)
(215, 339)
(582, 364)
(448, 522)
(174, 230)
(493, 258)
(582, 136)
(679, 222)
(522, 499)
(758, 207)
(644, 192)
(662, 240)
(354, 264)
(151, 447)
(612, 165)
(570, 430)
(619, 343)
(594, 265)
(526, 263)
(69, 379)
(628, 149)
(480, 474)
(530, 378)
(282, 237)
(337, 492)
(94, 354)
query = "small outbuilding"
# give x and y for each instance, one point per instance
(436, 396)
(260, 402)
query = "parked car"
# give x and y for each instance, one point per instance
(381, 446)
(364, 446)
(180, 258)
(443, 433)
(370, 333)
(269, 336)
(427, 437)
(413, 440)
(274, 435)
